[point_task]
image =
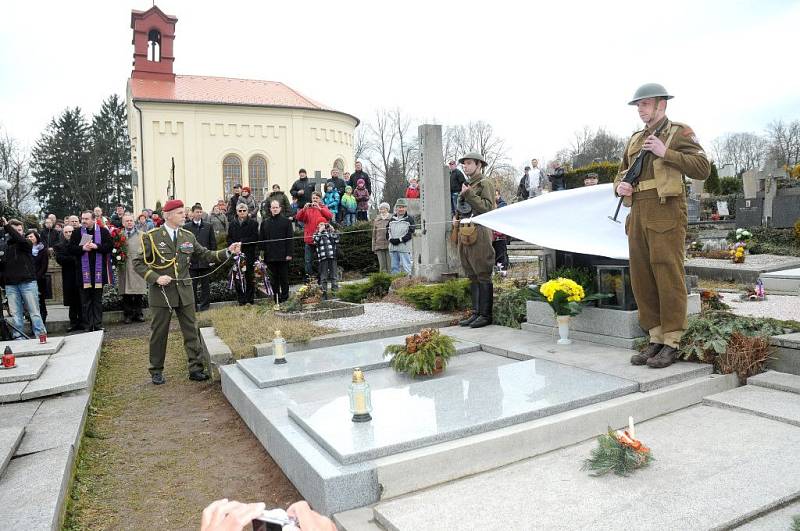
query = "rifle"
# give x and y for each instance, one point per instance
(635, 170)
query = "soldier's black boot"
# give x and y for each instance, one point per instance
(642, 357)
(474, 288)
(485, 306)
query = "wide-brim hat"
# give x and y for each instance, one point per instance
(474, 155)
(172, 204)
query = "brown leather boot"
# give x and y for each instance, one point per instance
(642, 357)
(664, 358)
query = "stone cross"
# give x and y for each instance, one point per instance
(319, 182)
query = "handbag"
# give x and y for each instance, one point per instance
(467, 234)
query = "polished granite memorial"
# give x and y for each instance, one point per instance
(299, 411)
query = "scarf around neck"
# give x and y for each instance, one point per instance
(92, 279)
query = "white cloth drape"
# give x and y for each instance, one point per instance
(574, 220)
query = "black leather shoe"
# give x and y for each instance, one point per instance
(158, 379)
(76, 328)
(198, 376)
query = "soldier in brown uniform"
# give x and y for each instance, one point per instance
(656, 225)
(474, 241)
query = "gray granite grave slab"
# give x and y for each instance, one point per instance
(28, 368)
(32, 347)
(756, 400)
(787, 280)
(70, 369)
(614, 361)
(780, 381)
(57, 422)
(329, 361)
(443, 409)
(700, 449)
(19, 413)
(10, 438)
(11, 392)
(747, 273)
(33, 489)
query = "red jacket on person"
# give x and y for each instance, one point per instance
(311, 218)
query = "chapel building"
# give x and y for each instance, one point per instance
(205, 133)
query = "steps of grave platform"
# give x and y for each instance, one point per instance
(786, 356)
(779, 381)
(10, 439)
(761, 401)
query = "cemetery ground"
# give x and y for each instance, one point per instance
(155, 456)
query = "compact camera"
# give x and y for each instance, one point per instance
(273, 520)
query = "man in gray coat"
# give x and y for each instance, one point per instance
(132, 287)
(399, 233)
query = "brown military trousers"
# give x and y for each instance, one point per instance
(656, 238)
(478, 259)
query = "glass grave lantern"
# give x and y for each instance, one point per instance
(616, 281)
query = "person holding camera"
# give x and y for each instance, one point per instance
(311, 215)
(19, 276)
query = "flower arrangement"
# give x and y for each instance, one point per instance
(618, 452)
(743, 235)
(565, 296)
(422, 354)
(306, 294)
(711, 300)
(695, 247)
(119, 253)
(736, 252)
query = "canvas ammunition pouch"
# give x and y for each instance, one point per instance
(467, 234)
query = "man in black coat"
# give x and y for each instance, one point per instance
(276, 236)
(360, 174)
(199, 267)
(49, 235)
(245, 229)
(234, 200)
(92, 259)
(457, 180)
(302, 189)
(70, 279)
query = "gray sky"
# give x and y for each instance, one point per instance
(537, 73)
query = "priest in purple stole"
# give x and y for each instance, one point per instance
(92, 246)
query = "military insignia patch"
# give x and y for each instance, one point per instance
(162, 244)
(187, 247)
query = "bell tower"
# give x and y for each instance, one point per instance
(153, 37)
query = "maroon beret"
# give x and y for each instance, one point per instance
(172, 204)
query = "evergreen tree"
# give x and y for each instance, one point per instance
(111, 155)
(60, 164)
(395, 185)
(711, 185)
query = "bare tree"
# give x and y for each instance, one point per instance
(362, 144)
(15, 168)
(745, 151)
(477, 136)
(589, 145)
(784, 142)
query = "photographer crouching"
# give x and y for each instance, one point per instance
(19, 279)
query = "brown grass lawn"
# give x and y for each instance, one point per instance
(152, 457)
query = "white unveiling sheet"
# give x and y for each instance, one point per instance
(574, 220)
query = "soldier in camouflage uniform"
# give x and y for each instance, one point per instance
(164, 262)
(476, 251)
(656, 225)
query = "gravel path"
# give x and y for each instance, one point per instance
(382, 314)
(777, 306)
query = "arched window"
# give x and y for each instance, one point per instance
(231, 174)
(339, 165)
(154, 45)
(257, 173)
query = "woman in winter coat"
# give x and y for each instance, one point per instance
(248, 199)
(362, 198)
(380, 241)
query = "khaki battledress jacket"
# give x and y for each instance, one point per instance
(656, 227)
(478, 259)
